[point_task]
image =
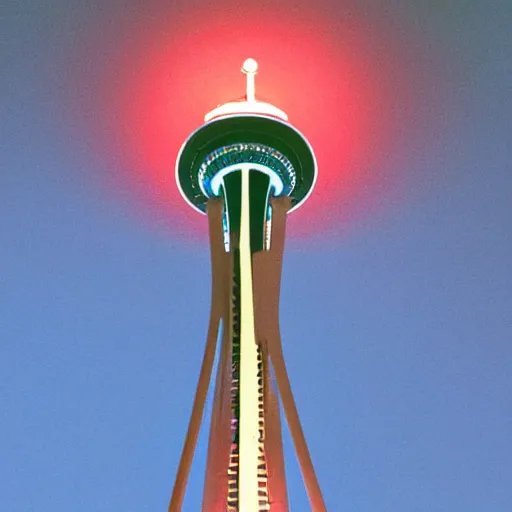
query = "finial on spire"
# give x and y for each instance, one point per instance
(250, 105)
(250, 68)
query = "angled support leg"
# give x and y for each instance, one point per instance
(278, 494)
(215, 207)
(216, 478)
(268, 265)
(292, 416)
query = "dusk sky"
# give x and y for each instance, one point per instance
(396, 309)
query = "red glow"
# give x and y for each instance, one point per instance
(337, 80)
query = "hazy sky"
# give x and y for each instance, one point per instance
(397, 293)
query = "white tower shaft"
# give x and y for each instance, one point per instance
(249, 430)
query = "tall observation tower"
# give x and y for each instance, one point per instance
(246, 168)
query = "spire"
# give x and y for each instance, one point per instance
(250, 68)
(249, 105)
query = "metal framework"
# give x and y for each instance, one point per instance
(246, 175)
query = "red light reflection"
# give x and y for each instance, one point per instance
(337, 80)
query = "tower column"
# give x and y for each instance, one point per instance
(218, 261)
(267, 272)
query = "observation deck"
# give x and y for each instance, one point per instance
(249, 134)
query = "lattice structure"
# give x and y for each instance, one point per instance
(264, 502)
(233, 473)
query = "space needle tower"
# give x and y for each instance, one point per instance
(247, 167)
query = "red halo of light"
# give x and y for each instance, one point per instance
(325, 75)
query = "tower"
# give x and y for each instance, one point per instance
(246, 168)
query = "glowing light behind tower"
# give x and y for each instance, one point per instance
(321, 68)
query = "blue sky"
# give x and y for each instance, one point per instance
(396, 326)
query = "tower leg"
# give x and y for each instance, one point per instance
(267, 268)
(278, 495)
(217, 309)
(292, 416)
(216, 478)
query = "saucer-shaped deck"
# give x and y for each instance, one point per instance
(251, 129)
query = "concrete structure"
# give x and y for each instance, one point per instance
(246, 168)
